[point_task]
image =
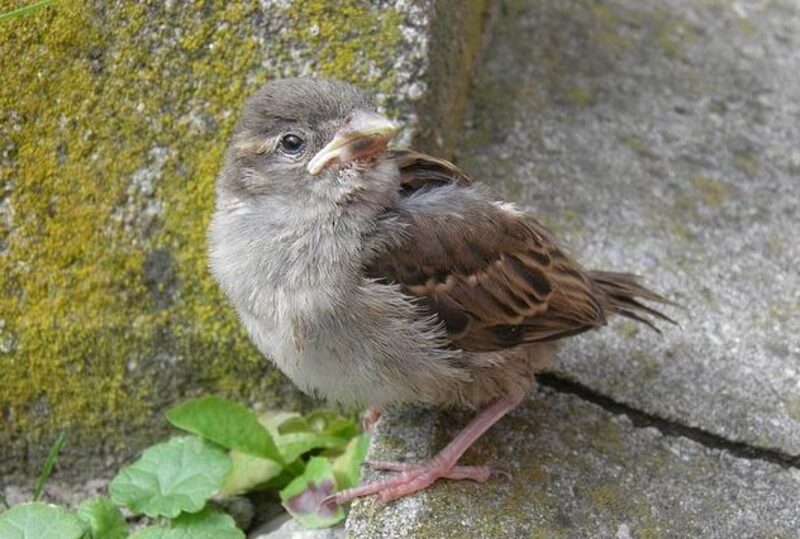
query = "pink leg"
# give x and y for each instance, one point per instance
(480, 474)
(370, 418)
(414, 477)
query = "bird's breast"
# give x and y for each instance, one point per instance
(317, 355)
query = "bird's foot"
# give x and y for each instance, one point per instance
(411, 478)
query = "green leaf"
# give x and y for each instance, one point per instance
(154, 532)
(226, 423)
(294, 424)
(104, 519)
(295, 435)
(347, 466)
(273, 419)
(207, 524)
(247, 472)
(24, 10)
(175, 476)
(331, 423)
(47, 469)
(297, 443)
(37, 520)
(303, 497)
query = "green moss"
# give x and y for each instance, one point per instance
(783, 311)
(393, 444)
(108, 318)
(673, 35)
(653, 532)
(746, 26)
(712, 192)
(609, 497)
(682, 211)
(650, 366)
(457, 39)
(670, 45)
(637, 144)
(746, 163)
(793, 407)
(580, 97)
(627, 329)
(548, 532)
(707, 191)
(775, 243)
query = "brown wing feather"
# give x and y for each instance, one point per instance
(497, 283)
(420, 170)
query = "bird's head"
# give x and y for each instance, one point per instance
(306, 139)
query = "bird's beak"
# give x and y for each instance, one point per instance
(365, 135)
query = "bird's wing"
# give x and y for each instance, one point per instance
(418, 170)
(490, 273)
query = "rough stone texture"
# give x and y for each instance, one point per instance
(579, 471)
(457, 32)
(113, 120)
(659, 138)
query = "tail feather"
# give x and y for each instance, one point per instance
(622, 292)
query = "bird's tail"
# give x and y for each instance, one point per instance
(622, 293)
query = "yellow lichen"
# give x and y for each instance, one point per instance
(348, 39)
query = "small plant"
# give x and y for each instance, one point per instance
(24, 10)
(230, 451)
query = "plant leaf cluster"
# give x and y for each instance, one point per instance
(229, 451)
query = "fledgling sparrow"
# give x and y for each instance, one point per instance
(384, 277)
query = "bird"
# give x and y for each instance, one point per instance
(382, 277)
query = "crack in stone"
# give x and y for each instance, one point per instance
(668, 427)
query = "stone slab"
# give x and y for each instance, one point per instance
(662, 138)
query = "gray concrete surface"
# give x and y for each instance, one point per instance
(660, 138)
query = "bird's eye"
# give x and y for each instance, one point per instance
(291, 144)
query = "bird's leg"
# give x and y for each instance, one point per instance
(370, 418)
(474, 473)
(414, 477)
